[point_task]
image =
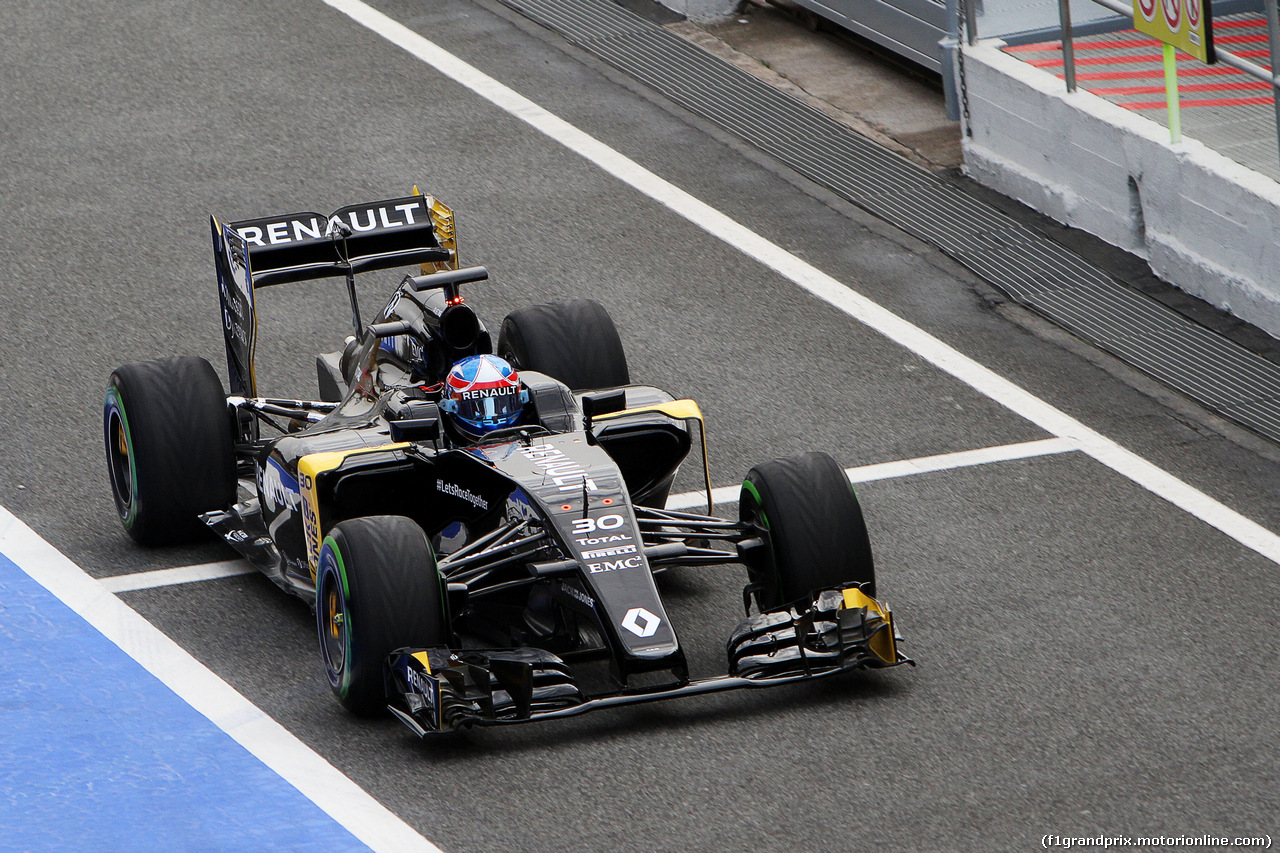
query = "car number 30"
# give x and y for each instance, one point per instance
(590, 525)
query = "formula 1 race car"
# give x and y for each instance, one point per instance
(478, 527)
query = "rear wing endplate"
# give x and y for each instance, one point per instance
(235, 294)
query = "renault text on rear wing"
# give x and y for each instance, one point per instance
(357, 238)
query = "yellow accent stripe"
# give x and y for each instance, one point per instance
(442, 219)
(881, 642)
(855, 598)
(442, 216)
(310, 467)
(678, 409)
(421, 657)
(681, 410)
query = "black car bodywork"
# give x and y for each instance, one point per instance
(545, 537)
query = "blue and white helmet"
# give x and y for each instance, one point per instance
(483, 393)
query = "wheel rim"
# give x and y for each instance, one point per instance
(120, 461)
(335, 634)
(332, 622)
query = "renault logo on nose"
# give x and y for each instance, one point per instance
(641, 622)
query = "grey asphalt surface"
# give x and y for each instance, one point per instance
(1092, 660)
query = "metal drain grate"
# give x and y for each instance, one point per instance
(1030, 268)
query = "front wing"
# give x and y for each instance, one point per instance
(439, 689)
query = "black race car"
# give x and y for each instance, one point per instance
(461, 580)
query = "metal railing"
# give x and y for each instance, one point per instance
(962, 27)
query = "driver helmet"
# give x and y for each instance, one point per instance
(483, 393)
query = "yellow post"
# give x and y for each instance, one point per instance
(1171, 93)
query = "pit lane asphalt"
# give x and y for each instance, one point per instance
(1092, 659)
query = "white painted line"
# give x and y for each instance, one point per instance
(727, 495)
(182, 574)
(723, 496)
(805, 275)
(961, 459)
(317, 779)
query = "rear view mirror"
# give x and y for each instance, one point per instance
(602, 403)
(417, 429)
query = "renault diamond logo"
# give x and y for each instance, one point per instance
(641, 622)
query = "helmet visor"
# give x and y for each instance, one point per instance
(488, 406)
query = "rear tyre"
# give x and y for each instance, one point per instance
(575, 342)
(810, 519)
(377, 590)
(170, 449)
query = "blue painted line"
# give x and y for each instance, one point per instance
(97, 754)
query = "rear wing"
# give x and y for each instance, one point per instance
(357, 238)
(254, 253)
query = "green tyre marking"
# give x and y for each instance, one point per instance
(342, 569)
(750, 488)
(344, 680)
(113, 401)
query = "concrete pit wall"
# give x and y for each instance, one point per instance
(1204, 223)
(704, 11)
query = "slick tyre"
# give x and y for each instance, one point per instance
(812, 525)
(575, 342)
(377, 590)
(170, 450)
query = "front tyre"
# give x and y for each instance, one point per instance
(377, 590)
(575, 342)
(815, 536)
(170, 449)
